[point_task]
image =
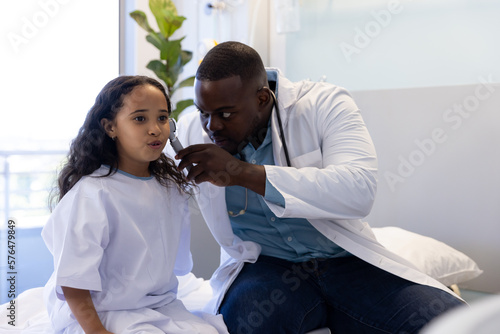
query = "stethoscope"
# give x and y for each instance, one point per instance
(282, 134)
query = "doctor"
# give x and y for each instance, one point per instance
(292, 172)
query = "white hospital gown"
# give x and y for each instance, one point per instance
(125, 239)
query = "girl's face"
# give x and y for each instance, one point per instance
(140, 129)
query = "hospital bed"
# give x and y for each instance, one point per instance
(444, 263)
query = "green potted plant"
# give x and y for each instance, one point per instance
(172, 57)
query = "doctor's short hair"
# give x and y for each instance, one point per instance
(230, 59)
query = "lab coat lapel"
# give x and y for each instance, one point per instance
(212, 202)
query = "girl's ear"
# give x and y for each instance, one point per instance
(108, 127)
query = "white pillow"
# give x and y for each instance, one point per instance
(435, 258)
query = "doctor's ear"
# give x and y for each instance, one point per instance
(108, 127)
(265, 96)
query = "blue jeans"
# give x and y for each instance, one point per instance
(344, 294)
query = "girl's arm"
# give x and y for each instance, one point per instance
(83, 309)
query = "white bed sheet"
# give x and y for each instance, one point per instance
(482, 317)
(31, 316)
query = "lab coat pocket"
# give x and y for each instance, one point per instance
(310, 159)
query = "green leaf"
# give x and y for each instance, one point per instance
(171, 51)
(141, 19)
(186, 56)
(158, 6)
(166, 16)
(157, 65)
(160, 69)
(180, 106)
(174, 23)
(172, 75)
(156, 39)
(189, 82)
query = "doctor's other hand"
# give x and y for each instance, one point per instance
(215, 165)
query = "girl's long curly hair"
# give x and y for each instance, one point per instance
(92, 147)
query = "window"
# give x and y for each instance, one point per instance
(56, 56)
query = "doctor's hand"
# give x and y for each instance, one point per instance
(215, 165)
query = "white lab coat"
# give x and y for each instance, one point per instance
(332, 181)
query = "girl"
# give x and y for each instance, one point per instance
(120, 232)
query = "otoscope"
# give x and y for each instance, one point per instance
(176, 144)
